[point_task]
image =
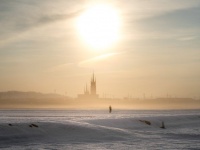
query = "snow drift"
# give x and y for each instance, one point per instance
(111, 132)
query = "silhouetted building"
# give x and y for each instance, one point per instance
(93, 85)
(92, 93)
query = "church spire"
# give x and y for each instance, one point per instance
(93, 78)
(86, 91)
(90, 90)
(93, 85)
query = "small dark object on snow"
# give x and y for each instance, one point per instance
(10, 124)
(30, 126)
(34, 125)
(163, 125)
(145, 121)
(110, 109)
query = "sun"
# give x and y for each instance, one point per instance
(99, 26)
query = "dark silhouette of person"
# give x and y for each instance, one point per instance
(163, 125)
(110, 109)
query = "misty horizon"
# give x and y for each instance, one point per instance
(35, 100)
(104, 95)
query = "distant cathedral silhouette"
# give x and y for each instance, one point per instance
(92, 93)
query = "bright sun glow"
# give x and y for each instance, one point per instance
(99, 26)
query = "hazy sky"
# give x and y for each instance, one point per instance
(158, 50)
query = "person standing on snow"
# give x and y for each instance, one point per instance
(110, 109)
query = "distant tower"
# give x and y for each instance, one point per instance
(86, 92)
(90, 94)
(93, 85)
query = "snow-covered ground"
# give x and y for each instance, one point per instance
(95, 129)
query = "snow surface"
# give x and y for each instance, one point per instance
(62, 129)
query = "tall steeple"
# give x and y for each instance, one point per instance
(92, 79)
(86, 90)
(93, 85)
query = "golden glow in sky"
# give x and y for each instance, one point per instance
(99, 26)
(134, 47)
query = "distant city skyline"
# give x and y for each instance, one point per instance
(135, 48)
